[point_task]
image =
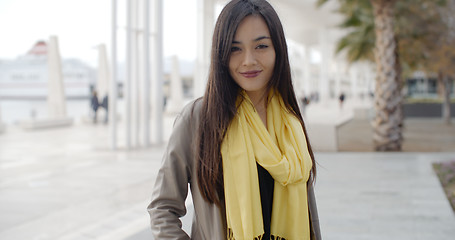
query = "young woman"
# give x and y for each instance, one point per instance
(242, 148)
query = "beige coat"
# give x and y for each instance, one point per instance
(178, 170)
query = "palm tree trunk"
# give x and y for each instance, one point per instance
(388, 120)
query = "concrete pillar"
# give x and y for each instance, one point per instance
(370, 76)
(324, 66)
(307, 86)
(103, 76)
(175, 101)
(354, 80)
(147, 77)
(205, 24)
(113, 82)
(338, 77)
(127, 85)
(136, 74)
(366, 76)
(300, 80)
(141, 74)
(157, 75)
(144, 110)
(295, 60)
(56, 97)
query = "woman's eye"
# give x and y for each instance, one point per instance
(262, 46)
(235, 49)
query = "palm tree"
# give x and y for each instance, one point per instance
(388, 121)
(424, 39)
(389, 118)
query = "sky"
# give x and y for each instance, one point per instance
(81, 25)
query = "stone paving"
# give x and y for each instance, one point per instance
(383, 196)
(420, 135)
(66, 184)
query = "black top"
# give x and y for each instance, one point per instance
(266, 185)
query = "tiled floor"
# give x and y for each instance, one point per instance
(66, 184)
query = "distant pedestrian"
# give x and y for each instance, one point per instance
(341, 99)
(314, 96)
(94, 104)
(304, 102)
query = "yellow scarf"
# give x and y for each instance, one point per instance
(282, 150)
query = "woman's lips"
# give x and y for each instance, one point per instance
(250, 74)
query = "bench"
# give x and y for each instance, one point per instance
(322, 133)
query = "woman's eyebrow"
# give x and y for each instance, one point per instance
(260, 38)
(255, 40)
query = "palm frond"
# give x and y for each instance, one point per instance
(319, 3)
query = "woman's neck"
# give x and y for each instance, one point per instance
(259, 100)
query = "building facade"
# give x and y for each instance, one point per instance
(26, 76)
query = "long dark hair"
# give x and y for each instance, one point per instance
(219, 100)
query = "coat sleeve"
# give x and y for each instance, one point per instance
(171, 185)
(314, 218)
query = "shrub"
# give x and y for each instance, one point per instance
(446, 175)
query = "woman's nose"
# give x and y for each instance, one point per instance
(249, 58)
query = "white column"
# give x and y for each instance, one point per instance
(102, 81)
(135, 81)
(324, 67)
(307, 86)
(146, 58)
(127, 86)
(205, 23)
(296, 59)
(354, 78)
(175, 101)
(140, 107)
(113, 83)
(56, 97)
(157, 75)
(338, 77)
(365, 80)
(370, 75)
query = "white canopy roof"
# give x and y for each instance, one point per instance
(302, 20)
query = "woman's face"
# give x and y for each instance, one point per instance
(252, 56)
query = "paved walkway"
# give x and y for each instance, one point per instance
(420, 135)
(66, 184)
